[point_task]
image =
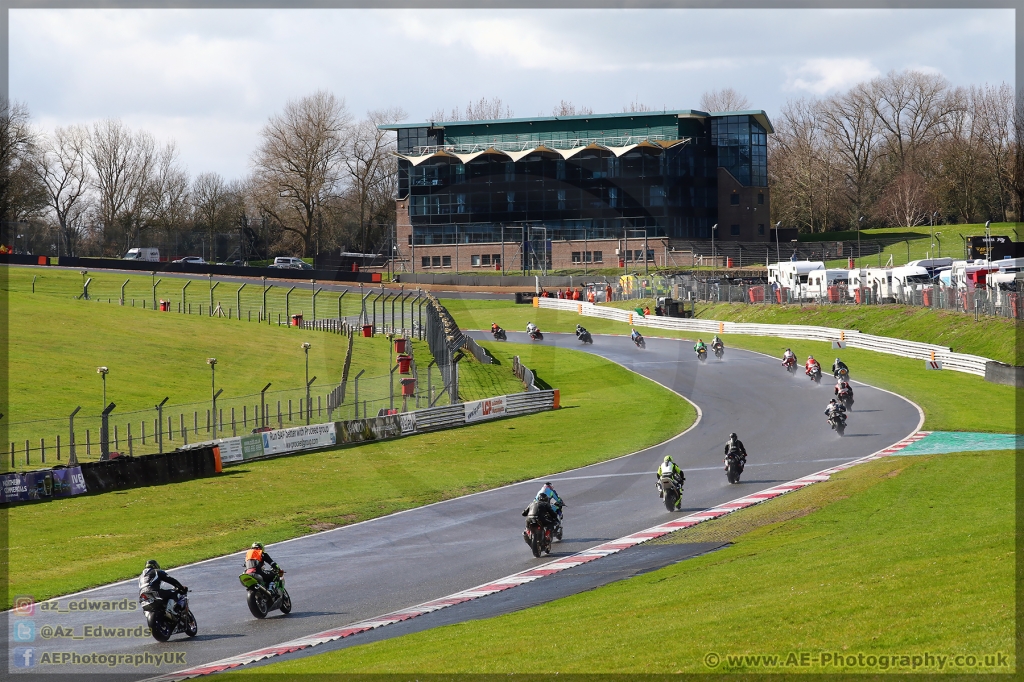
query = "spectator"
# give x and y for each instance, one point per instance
(591, 297)
(608, 293)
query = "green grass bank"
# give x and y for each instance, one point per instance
(71, 544)
(898, 557)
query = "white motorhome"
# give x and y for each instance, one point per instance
(1009, 264)
(792, 275)
(818, 282)
(1002, 283)
(932, 265)
(878, 280)
(907, 279)
(143, 253)
(967, 275)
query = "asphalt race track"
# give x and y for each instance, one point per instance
(368, 569)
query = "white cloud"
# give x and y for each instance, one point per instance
(823, 74)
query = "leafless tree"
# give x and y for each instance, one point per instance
(1016, 174)
(995, 127)
(369, 160)
(122, 164)
(61, 166)
(567, 108)
(725, 99)
(913, 109)
(636, 106)
(22, 195)
(210, 201)
(906, 201)
(851, 127)
(298, 164)
(482, 110)
(171, 205)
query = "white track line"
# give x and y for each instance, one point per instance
(516, 579)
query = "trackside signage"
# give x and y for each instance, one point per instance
(479, 410)
(298, 438)
(239, 448)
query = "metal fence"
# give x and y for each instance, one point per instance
(995, 302)
(960, 362)
(445, 340)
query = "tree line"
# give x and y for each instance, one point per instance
(319, 181)
(903, 149)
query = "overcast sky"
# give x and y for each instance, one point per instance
(209, 79)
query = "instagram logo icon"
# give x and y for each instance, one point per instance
(24, 606)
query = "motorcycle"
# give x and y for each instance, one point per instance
(814, 373)
(670, 492)
(537, 535)
(719, 351)
(845, 396)
(733, 467)
(499, 334)
(837, 421)
(702, 354)
(585, 337)
(262, 600)
(537, 336)
(163, 625)
(841, 374)
(639, 341)
(790, 365)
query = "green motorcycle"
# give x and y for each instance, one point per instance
(264, 599)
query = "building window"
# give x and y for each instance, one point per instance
(760, 198)
(510, 198)
(425, 261)
(435, 262)
(734, 199)
(650, 254)
(760, 228)
(446, 261)
(598, 257)
(410, 239)
(613, 197)
(510, 172)
(561, 200)
(460, 201)
(474, 261)
(575, 256)
(734, 230)
(496, 258)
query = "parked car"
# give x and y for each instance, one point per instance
(195, 260)
(290, 263)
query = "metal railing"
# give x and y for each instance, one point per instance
(960, 362)
(524, 145)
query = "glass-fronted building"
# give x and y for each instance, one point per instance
(668, 174)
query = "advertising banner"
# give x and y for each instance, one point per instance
(408, 422)
(249, 446)
(479, 410)
(68, 482)
(32, 485)
(375, 428)
(298, 438)
(230, 450)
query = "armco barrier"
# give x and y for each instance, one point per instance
(960, 362)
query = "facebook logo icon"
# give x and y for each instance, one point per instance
(24, 657)
(24, 631)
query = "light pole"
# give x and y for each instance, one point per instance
(778, 252)
(931, 223)
(713, 228)
(212, 362)
(305, 349)
(102, 371)
(860, 223)
(988, 244)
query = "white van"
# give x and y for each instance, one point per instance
(143, 253)
(290, 263)
(907, 279)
